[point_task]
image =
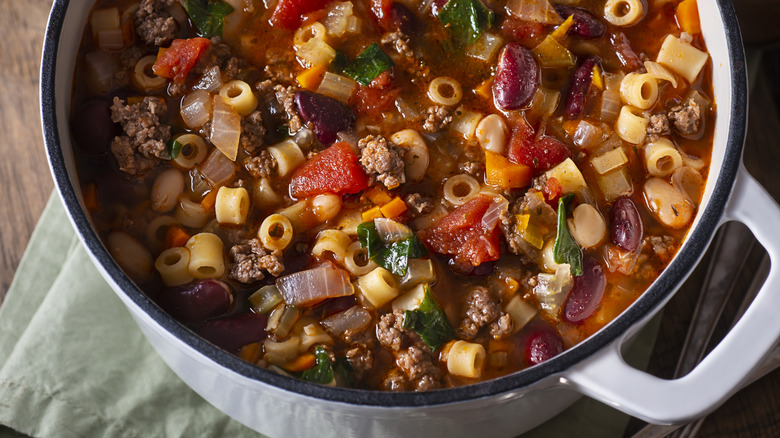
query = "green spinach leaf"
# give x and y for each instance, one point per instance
(208, 15)
(174, 148)
(345, 373)
(369, 64)
(466, 19)
(339, 62)
(430, 322)
(322, 371)
(566, 249)
(393, 256)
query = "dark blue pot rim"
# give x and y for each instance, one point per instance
(665, 285)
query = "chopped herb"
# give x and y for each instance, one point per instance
(566, 249)
(207, 16)
(174, 148)
(466, 19)
(322, 371)
(392, 256)
(369, 64)
(339, 62)
(430, 322)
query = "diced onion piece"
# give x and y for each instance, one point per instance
(465, 122)
(537, 11)
(611, 103)
(391, 231)
(407, 111)
(520, 312)
(410, 300)
(609, 161)
(485, 47)
(316, 52)
(338, 87)
(689, 182)
(217, 169)
(615, 184)
(309, 287)
(225, 128)
(99, 71)
(337, 20)
(551, 289)
(265, 299)
(493, 213)
(658, 71)
(111, 39)
(419, 271)
(545, 102)
(587, 135)
(196, 108)
(568, 175)
(211, 80)
(355, 318)
(104, 19)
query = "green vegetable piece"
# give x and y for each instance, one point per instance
(339, 62)
(208, 15)
(566, 249)
(174, 148)
(394, 256)
(466, 19)
(430, 322)
(369, 64)
(322, 371)
(345, 373)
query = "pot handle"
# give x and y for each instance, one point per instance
(607, 378)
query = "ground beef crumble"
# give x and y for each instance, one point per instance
(437, 117)
(146, 136)
(286, 97)
(483, 311)
(686, 118)
(154, 24)
(399, 42)
(663, 246)
(658, 126)
(383, 160)
(250, 260)
(417, 368)
(261, 165)
(419, 204)
(252, 131)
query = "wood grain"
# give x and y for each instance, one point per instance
(25, 182)
(26, 185)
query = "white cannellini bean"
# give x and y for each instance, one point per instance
(667, 203)
(416, 156)
(491, 133)
(326, 206)
(587, 226)
(166, 190)
(131, 256)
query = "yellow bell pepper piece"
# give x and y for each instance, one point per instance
(560, 33)
(598, 80)
(310, 79)
(378, 196)
(529, 231)
(552, 54)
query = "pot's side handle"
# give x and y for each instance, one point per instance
(607, 378)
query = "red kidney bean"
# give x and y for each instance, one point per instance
(517, 77)
(624, 52)
(92, 127)
(543, 343)
(327, 115)
(578, 89)
(403, 19)
(437, 5)
(197, 301)
(625, 225)
(586, 293)
(233, 332)
(585, 25)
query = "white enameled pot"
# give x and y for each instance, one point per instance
(280, 406)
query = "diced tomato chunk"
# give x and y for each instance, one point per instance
(380, 9)
(540, 154)
(515, 29)
(552, 191)
(176, 62)
(462, 235)
(334, 170)
(288, 14)
(372, 102)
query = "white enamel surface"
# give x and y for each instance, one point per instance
(280, 413)
(609, 379)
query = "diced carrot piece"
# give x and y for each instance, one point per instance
(688, 16)
(378, 196)
(251, 352)
(300, 363)
(511, 284)
(90, 197)
(485, 89)
(598, 81)
(176, 236)
(571, 127)
(372, 214)
(310, 78)
(209, 200)
(393, 208)
(501, 172)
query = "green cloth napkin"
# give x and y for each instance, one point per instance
(74, 364)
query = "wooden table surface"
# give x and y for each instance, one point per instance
(26, 184)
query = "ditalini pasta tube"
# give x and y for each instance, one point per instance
(378, 287)
(173, 266)
(206, 257)
(639, 90)
(238, 94)
(631, 125)
(466, 359)
(232, 205)
(276, 232)
(662, 158)
(334, 241)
